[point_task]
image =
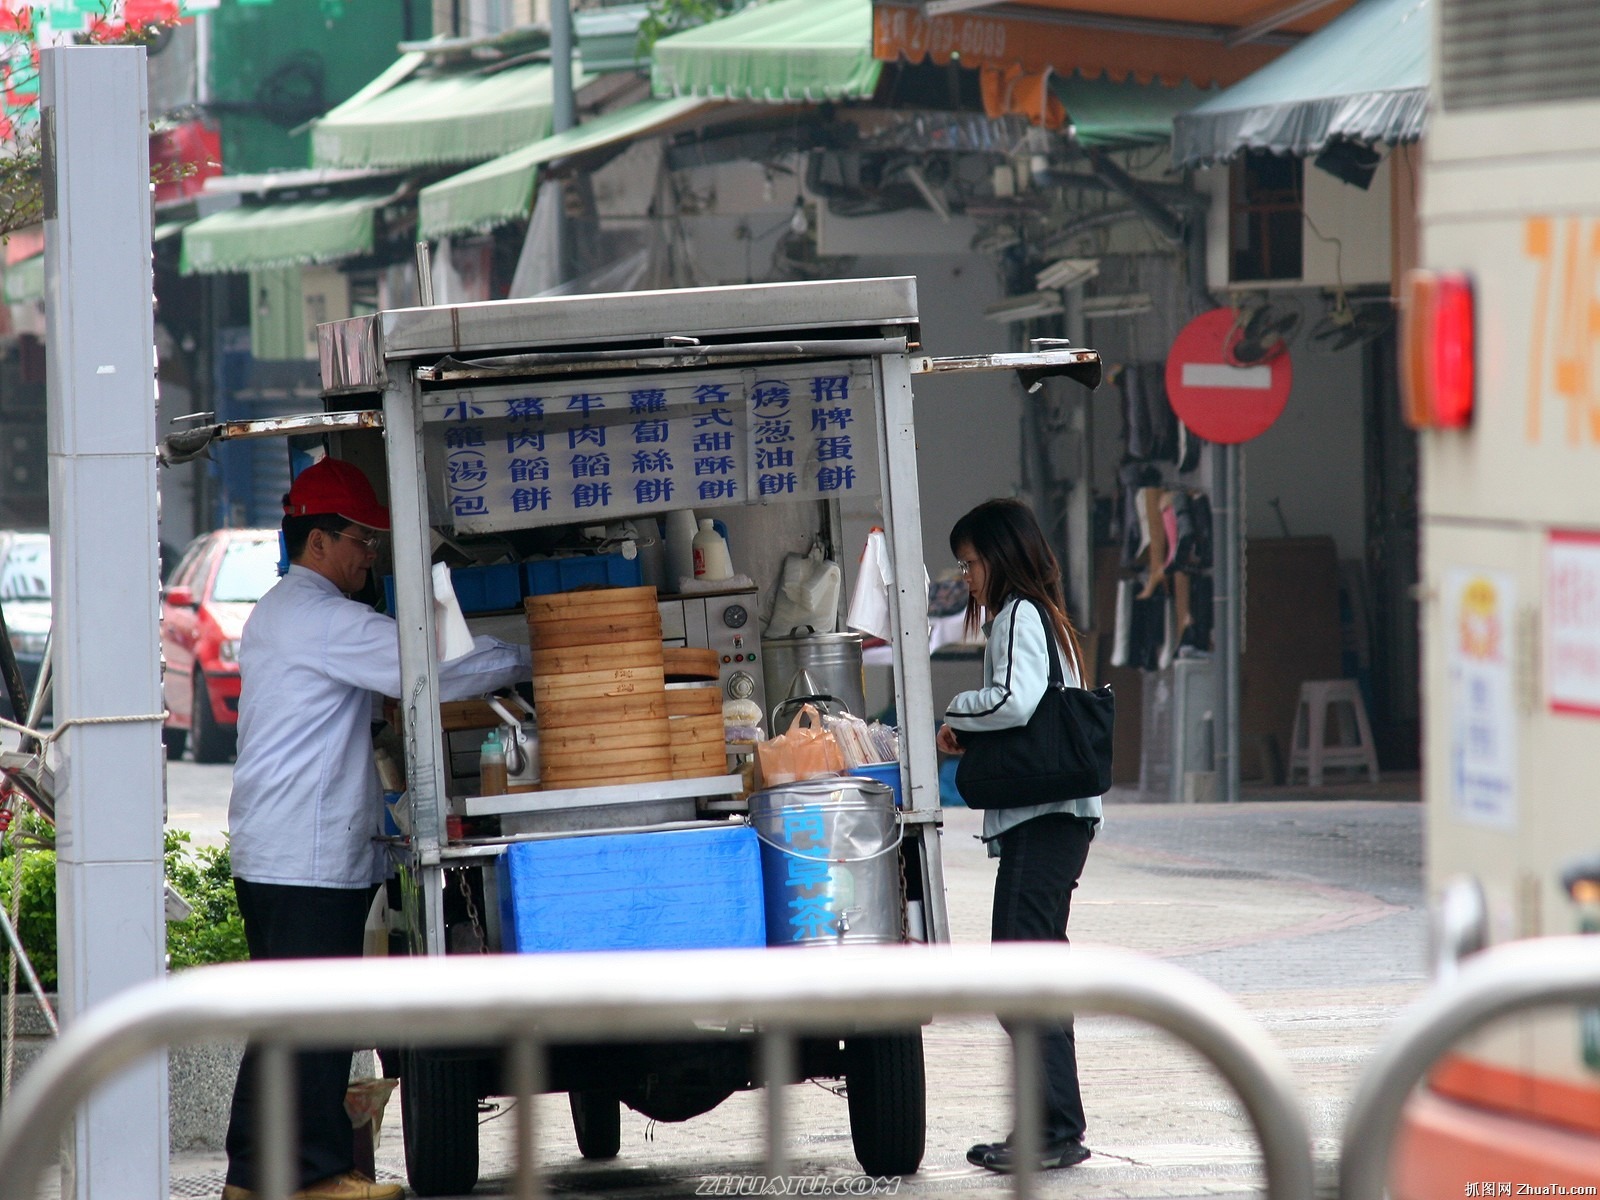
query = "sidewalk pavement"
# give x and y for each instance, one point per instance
(1162, 1124)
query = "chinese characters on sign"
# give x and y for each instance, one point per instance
(1483, 729)
(1572, 622)
(809, 893)
(535, 455)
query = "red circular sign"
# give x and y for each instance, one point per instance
(1216, 397)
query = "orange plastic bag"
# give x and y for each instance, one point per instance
(805, 751)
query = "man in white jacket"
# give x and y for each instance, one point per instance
(306, 801)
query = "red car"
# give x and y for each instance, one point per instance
(207, 599)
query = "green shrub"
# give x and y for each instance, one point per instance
(202, 875)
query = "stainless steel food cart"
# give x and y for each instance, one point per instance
(721, 365)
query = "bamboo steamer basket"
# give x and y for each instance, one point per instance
(697, 731)
(684, 664)
(622, 759)
(577, 660)
(694, 700)
(596, 710)
(696, 762)
(614, 773)
(597, 685)
(604, 737)
(593, 631)
(608, 603)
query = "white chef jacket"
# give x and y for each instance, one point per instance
(306, 803)
(1016, 672)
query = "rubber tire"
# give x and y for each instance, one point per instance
(886, 1086)
(174, 740)
(597, 1121)
(439, 1119)
(213, 743)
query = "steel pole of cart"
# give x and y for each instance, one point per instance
(102, 471)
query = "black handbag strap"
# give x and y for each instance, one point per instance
(1058, 679)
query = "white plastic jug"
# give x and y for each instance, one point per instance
(711, 561)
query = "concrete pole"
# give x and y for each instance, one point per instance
(564, 112)
(102, 437)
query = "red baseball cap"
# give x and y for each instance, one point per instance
(334, 487)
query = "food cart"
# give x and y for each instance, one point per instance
(778, 411)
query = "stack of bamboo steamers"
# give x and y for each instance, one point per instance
(607, 714)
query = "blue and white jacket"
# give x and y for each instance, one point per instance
(1016, 671)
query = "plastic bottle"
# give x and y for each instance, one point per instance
(492, 766)
(711, 561)
(680, 547)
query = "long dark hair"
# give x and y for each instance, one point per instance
(1019, 562)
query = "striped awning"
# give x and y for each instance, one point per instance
(295, 233)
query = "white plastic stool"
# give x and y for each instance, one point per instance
(1309, 750)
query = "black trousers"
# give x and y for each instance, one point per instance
(299, 922)
(1040, 861)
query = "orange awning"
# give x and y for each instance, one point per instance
(1072, 36)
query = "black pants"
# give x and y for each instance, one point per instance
(1040, 861)
(299, 922)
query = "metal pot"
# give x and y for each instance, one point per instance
(824, 667)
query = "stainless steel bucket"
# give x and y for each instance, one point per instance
(830, 871)
(832, 663)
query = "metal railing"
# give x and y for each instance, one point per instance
(1540, 973)
(528, 1002)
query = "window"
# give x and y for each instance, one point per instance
(1266, 206)
(247, 570)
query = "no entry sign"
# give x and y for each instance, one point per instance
(1215, 397)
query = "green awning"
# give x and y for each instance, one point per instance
(430, 116)
(1106, 113)
(501, 190)
(254, 236)
(24, 282)
(783, 52)
(1363, 77)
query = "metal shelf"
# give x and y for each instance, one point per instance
(563, 799)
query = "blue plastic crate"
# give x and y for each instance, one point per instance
(681, 889)
(478, 589)
(542, 576)
(885, 773)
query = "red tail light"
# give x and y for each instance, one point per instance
(1438, 387)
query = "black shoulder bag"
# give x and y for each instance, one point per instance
(1062, 753)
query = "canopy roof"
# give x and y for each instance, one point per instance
(786, 51)
(419, 114)
(502, 189)
(1364, 78)
(253, 236)
(1104, 113)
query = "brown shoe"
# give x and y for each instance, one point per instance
(232, 1191)
(352, 1185)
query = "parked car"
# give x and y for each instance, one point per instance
(204, 606)
(25, 603)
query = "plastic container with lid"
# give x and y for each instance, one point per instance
(492, 766)
(711, 559)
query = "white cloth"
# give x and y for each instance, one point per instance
(306, 802)
(1016, 671)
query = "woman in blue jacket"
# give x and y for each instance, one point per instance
(1042, 847)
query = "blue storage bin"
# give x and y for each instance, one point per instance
(542, 576)
(682, 889)
(478, 589)
(886, 773)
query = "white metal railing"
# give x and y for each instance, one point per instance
(1539, 973)
(526, 1002)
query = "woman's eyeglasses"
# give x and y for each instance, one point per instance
(966, 568)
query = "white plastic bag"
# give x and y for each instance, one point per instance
(869, 603)
(450, 625)
(808, 595)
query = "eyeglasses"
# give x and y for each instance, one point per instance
(371, 544)
(966, 567)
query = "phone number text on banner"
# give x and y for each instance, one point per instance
(519, 455)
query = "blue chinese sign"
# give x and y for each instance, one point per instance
(522, 455)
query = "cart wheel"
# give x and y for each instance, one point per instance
(439, 1117)
(887, 1090)
(597, 1120)
(174, 740)
(213, 743)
